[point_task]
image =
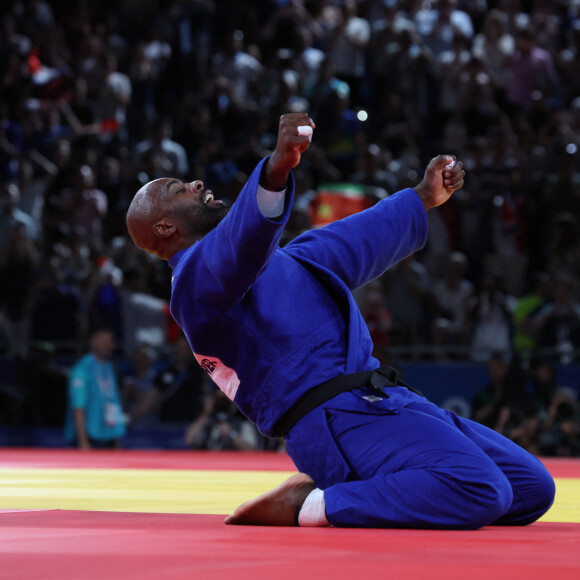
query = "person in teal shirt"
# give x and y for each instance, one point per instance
(95, 416)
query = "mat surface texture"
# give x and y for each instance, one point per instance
(130, 514)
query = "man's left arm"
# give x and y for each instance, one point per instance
(361, 247)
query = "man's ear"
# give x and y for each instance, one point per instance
(164, 228)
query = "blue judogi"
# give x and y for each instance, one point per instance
(270, 323)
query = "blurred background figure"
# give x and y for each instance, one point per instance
(56, 308)
(98, 98)
(451, 297)
(18, 264)
(43, 385)
(561, 433)
(95, 417)
(493, 396)
(179, 387)
(491, 311)
(140, 401)
(221, 427)
(557, 324)
(406, 293)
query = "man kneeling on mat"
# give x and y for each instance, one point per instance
(278, 331)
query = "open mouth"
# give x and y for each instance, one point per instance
(207, 198)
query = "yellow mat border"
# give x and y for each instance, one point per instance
(175, 490)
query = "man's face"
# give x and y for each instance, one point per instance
(524, 44)
(167, 214)
(103, 344)
(194, 206)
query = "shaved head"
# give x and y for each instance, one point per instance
(145, 210)
(168, 215)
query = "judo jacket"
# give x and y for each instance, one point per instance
(270, 323)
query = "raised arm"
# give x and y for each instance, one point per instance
(443, 177)
(215, 273)
(293, 140)
(362, 246)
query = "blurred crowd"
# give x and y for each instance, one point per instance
(99, 97)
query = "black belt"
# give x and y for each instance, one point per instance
(377, 380)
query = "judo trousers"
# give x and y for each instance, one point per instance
(399, 461)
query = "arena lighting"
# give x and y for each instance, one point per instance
(362, 115)
(571, 148)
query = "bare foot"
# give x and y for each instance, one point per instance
(277, 507)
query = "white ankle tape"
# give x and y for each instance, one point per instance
(312, 513)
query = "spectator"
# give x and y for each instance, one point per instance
(525, 309)
(491, 312)
(84, 205)
(377, 316)
(36, 174)
(521, 423)
(44, 384)
(11, 215)
(11, 143)
(114, 97)
(56, 308)
(180, 386)
(326, 84)
(561, 432)
(451, 297)
(95, 417)
(406, 293)
(565, 244)
(495, 47)
(340, 133)
(373, 173)
(144, 75)
(160, 143)
(542, 383)
(18, 263)
(439, 25)
(139, 394)
(531, 69)
(493, 396)
(346, 48)
(243, 69)
(405, 65)
(568, 65)
(110, 180)
(450, 67)
(144, 317)
(103, 297)
(221, 427)
(557, 324)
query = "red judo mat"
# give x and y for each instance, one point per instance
(63, 544)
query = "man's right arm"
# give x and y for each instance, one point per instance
(216, 272)
(289, 147)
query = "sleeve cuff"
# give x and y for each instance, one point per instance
(270, 203)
